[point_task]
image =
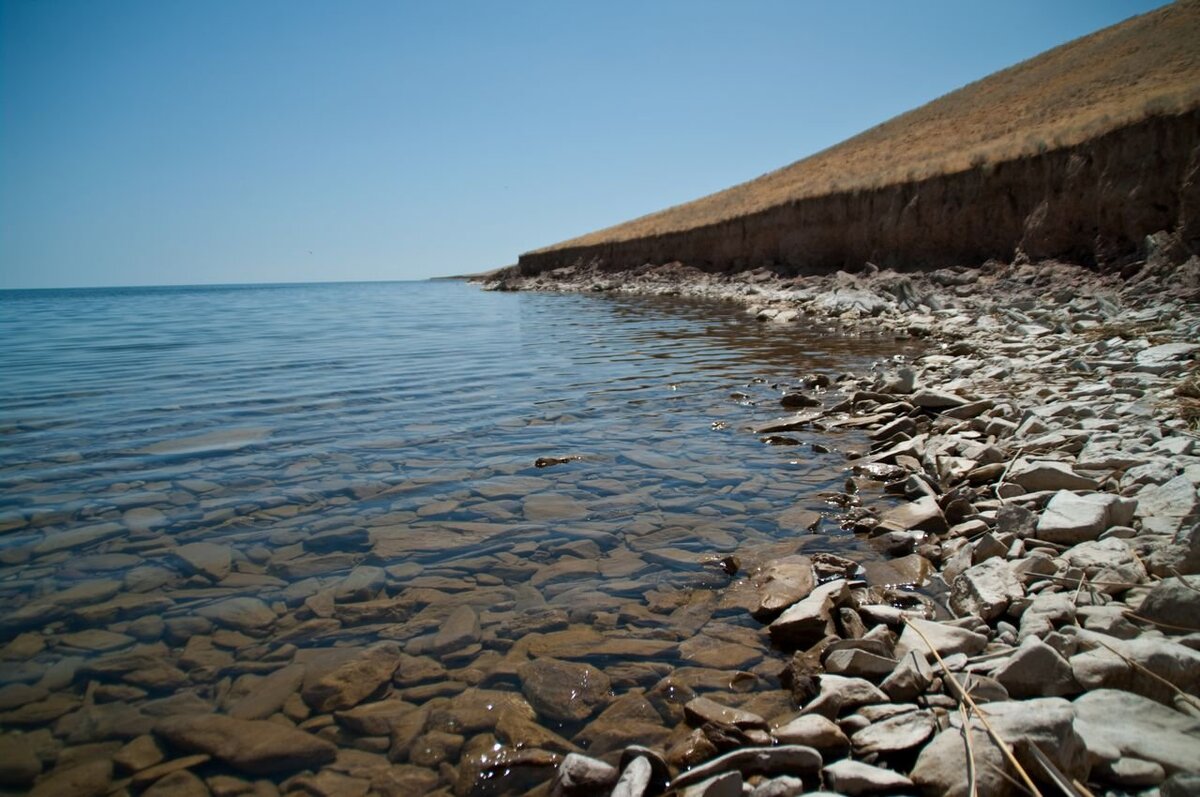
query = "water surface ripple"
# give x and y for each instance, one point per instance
(226, 480)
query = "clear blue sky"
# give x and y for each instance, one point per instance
(180, 141)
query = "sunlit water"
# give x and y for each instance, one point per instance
(407, 417)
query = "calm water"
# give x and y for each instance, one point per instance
(406, 417)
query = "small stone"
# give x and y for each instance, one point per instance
(1070, 518)
(1036, 670)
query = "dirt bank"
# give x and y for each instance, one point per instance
(1092, 203)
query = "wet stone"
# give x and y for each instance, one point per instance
(563, 691)
(252, 746)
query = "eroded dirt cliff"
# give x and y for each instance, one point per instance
(1090, 203)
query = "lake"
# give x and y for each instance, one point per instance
(223, 499)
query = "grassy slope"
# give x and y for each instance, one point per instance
(1145, 66)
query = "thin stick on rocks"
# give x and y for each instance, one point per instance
(963, 696)
(972, 790)
(1185, 628)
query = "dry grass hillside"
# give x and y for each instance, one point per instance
(1146, 66)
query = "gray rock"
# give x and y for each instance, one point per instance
(634, 780)
(945, 639)
(909, 679)
(788, 759)
(810, 619)
(986, 589)
(1165, 353)
(257, 747)
(1036, 670)
(1070, 518)
(1111, 562)
(579, 775)
(812, 730)
(854, 777)
(1131, 772)
(838, 694)
(1047, 722)
(1099, 667)
(942, 767)
(1035, 475)
(1174, 601)
(782, 584)
(935, 399)
(859, 664)
(924, 514)
(727, 784)
(902, 732)
(1116, 724)
(1164, 508)
(782, 786)
(1047, 611)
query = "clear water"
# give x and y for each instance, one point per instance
(257, 416)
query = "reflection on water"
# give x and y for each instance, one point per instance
(201, 488)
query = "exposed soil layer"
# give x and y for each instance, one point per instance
(1092, 203)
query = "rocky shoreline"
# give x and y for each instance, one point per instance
(1046, 445)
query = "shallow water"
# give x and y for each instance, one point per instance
(401, 422)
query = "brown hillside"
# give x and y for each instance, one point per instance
(1144, 67)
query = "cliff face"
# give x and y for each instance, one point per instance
(1091, 203)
